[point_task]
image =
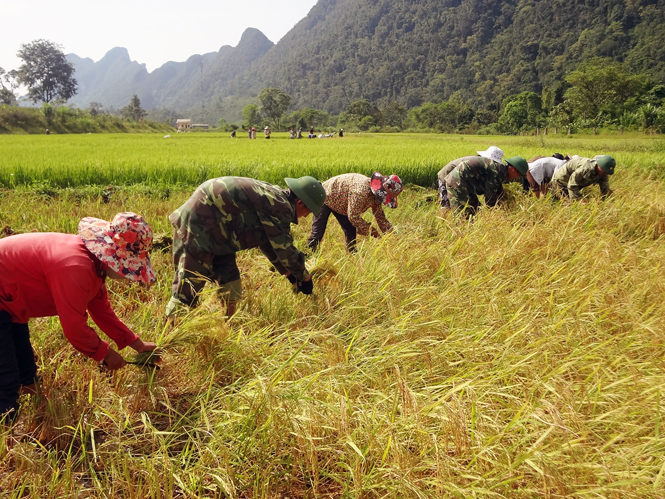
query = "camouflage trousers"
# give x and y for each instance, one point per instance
(192, 275)
(443, 195)
(559, 191)
(463, 197)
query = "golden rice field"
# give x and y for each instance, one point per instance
(519, 355)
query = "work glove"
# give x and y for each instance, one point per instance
(306, 287)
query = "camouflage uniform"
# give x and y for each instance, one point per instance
(576, 174)
(473, 176)
(223, 216)
(443, 173)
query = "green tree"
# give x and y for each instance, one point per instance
(521, 111)
(601, 85)
(274, 104)
(46, 72)
(95, 108)
(133, 110)
(8, 86)
(251, 115)
(393, 115)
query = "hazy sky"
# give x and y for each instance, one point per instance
(154, 32)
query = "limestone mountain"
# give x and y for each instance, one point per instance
(406, 51)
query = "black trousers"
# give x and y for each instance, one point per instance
(319, 228)
(17, 363)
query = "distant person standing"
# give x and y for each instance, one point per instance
(300, 133)
(48, 132)
(233, 134)
(292, 133)
(266, 131)
(249, 133)
(341, 132)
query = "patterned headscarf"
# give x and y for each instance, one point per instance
(123, 244)
(386, 189)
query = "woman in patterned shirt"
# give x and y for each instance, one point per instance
(350, 195)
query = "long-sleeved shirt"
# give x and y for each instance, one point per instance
(578, 173)
(350, 195)
(481, 176)
(445, 171)
(229, 214)
(46, 274)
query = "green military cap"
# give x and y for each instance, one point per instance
(309, 191)
(519, 163)
(606, 163)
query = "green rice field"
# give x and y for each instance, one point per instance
(519, 355)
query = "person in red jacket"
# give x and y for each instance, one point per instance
(47, 274)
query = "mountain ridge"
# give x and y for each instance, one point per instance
(385, 51)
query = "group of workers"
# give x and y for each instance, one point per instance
(49, 274)
(463, 179)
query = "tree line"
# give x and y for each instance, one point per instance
(599, 93)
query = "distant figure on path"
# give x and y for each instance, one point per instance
(292, 133)
(341, 132)
(300, 133)
(266, 131)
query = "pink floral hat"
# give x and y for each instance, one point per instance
(122, 244)
(386, 189)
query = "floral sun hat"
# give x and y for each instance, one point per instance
(386, 189)
(122, 244)
(493, 153)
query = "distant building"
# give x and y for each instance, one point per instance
(201, 126)
(183, 125)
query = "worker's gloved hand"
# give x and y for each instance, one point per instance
(291, 279)
(306, 287)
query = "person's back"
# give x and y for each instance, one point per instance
(228, 214)
(542, 170)
(578, 173)
(481, 173)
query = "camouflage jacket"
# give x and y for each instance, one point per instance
(578, 173)
(228, 214)
(480, 175)
(445, 171)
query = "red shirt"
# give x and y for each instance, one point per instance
(45, 274)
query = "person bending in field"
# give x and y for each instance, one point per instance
(229, 214)
(493, 153)
(579, 173)
(350, 195)
(48, 274)
(540, 173)
(479, 175)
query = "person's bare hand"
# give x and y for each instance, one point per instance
(142, 346)
(113, 360)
